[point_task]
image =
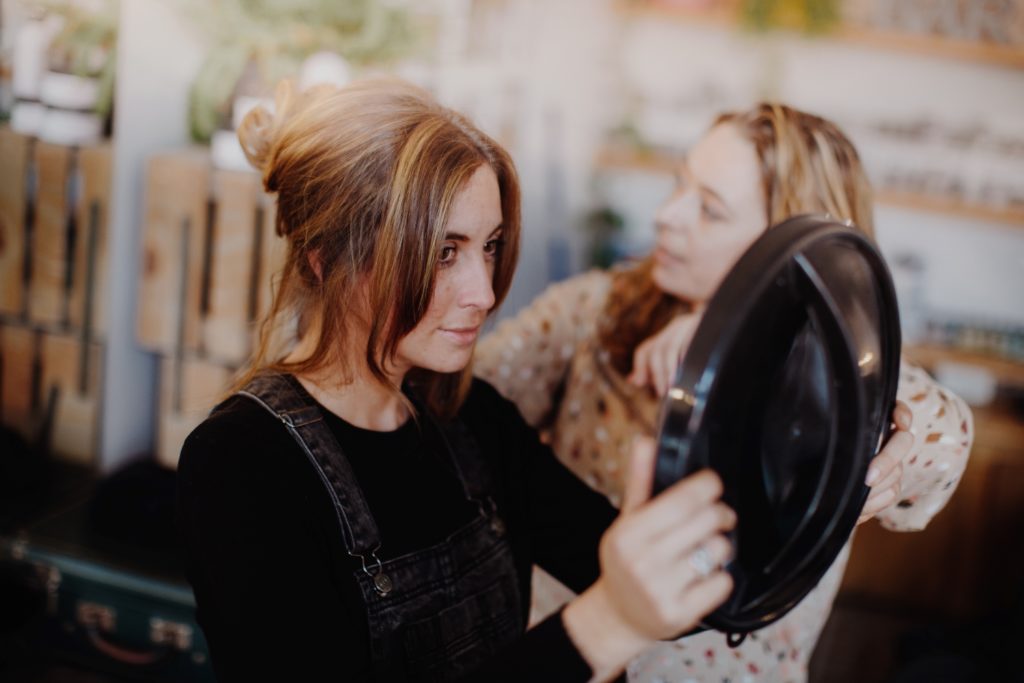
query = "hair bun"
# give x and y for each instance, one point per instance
(258, 134)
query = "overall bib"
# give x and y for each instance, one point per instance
(434, 614)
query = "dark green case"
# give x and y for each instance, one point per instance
(126, 611)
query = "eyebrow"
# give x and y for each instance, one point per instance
(459, 237)
(682, 174)
(714, 195)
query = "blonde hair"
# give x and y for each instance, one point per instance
(807, 166)
(365, 178)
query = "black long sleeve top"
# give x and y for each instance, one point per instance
(272, 579)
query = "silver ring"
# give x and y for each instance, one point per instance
(702, 562)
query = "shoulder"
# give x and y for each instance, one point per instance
(483, 401)
(238, 419)
(492, 417)
(943, 419)
(240, 438)
(586, 289)
(926, 398)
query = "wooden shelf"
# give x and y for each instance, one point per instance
(622, 158)
(920, 202)
(998, 428)
(613, 158)
(1011, 56)
(726, 15)
(1007, 371)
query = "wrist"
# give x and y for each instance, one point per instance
(605, 640)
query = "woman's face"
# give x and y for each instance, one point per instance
(463, 293)
(716, 211)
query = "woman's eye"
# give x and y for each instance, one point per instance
(492, 247)
(710, 212)
(447, 255)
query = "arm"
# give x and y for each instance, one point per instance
(656, 358)
(526, 357)
(567, 518)
(266, 599)
(647, 590)
(651, 586)
(637, 586)
(943, 430)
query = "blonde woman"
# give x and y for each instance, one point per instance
(589, 358)
(360, 508)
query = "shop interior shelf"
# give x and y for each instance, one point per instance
(726, 15)
(621, 158)
(1008, 371)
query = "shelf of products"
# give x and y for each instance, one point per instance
(624, 158)
(718, 13)
(726, 15)
(1011, 56)
(612, 158)
(1008, 372)
(1013, 216)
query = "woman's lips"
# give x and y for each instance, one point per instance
(666, 258)
(463, 336)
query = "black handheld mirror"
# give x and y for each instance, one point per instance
(787, 391)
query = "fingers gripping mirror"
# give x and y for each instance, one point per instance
(786, 391)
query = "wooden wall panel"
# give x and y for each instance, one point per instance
(51, 369)
(227, 327)
(88, 287)
(17, 361)
(189, 388)
(15, 155)
(50, 258)
(174, 234)
(70, 373)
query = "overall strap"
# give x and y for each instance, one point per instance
(467, 458)
(285, 398)
(462, 451)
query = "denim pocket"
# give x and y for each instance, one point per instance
(461, 637)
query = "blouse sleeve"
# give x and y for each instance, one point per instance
(526, 357)
(943, 430)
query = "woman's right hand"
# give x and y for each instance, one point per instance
(661, 567)
(656, 358)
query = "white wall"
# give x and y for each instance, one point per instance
(157, 57)
(973, 270)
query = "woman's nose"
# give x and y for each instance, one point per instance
(679, 213)
(478, 286)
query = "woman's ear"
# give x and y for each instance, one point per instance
(316, 265)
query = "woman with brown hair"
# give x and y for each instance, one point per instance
(361, 508)
(590, 358)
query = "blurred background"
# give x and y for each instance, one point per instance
(136, 249)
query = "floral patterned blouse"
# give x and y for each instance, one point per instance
(550, 351)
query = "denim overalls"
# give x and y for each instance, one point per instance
(433, 614)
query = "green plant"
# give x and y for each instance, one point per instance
(86, 44)
(813, 16)
(269, 39)
(603, 225)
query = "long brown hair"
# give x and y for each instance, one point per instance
(807, 165)
(365, 177)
